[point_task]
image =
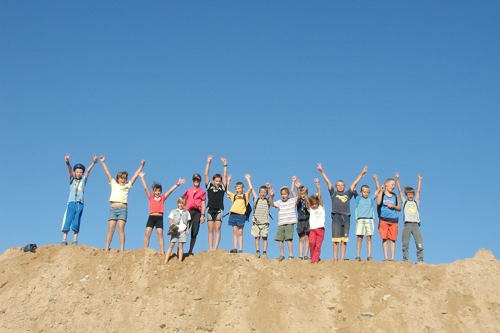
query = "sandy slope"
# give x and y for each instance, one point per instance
(84, 289)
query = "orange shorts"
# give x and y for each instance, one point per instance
(388, 230)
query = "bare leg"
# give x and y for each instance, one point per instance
(358, 246)
(217, 234)
(264, 243)
(235, 236)
(169, 252)
(393, 249)
(282, 249)
(385, 248)
(65, 235)
(369, 245)
(343, 245)
(257, 243)
(75, 237)
(180, 250)
(240, 237)
(301, 246)
(111, 231)
(121, 234)
(211, 229)
(306, 251)
(290, 247)
(335, 251)
(147, 235)
(159, 234)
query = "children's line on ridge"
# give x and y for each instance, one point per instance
(305, 212)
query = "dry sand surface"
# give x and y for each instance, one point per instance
(84, 289)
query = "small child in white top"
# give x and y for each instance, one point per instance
(316, 223)
(180, 218)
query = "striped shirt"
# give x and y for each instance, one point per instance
(261, 211)
(286, 214)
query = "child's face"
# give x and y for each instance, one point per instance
(262, 193)
(314, 204)
(410, 195)
(196, 182)
(340, 187)
(78, 173)
(157, 192)
(217, 182)
(239, 189)
(180, 205)
(303, 194)
(285, 195)
(122, 181)
(389, 186)
(365, 192)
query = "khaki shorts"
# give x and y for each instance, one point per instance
(260, 230)
(285, 232)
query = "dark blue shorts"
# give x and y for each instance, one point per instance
(236, 220)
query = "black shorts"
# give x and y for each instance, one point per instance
(155, 221)
(195, 222)
(303, 228)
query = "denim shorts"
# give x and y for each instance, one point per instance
(118, 213)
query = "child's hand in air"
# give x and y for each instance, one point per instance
(209, 159)
(102, 159)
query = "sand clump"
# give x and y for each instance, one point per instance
(84, 289)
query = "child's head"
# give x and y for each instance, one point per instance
(263, 192)
(285, 193)
(365, 191)
(181, 202)
(390, 184)
(409, 192)
(196, 180)
(303, 192)
(340, 186)
(156, 189)
(79, 169)
(239, 187)
(121, 177)
(314, 201)
(217, 179)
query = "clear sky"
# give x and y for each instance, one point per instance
(275, 87)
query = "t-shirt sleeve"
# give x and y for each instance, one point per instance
(203, 196)
(277, 203)
(417, 201)
(230, 196)
(331, 191)
(247, 197)
(171, 215)
(186, 194)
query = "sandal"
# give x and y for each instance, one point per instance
(280, 258)
(240, 251)
(306, 258)
(301, 258)
(291, 257)
(369, 258)
(233, 251)
(358, 259)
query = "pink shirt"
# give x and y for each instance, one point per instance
(156, 206)
(194, 199)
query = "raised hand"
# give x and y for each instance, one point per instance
(102, 159)
(95, 158)
(209, 159)
(297, 183)
(365, 170)
(397, 175)
(320, 168)
(224, 161)
(316, 180)
(181, 181)
(247, 176)
(294, 178)
(143, 162)
(229, 177)
(66, 158)
(142, 174)
(419, 176)
(375, 176)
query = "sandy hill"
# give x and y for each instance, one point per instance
(84, 289)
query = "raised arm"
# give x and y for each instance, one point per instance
(380, 195)
(377, 186)
(94, 161)
(66, 159)
(144, 184)
(106, 170)
(318, 187)
(270, 200)
(399, 185)
(418, 186)
(136, 174)
(176, 185)
(224, 171)
(228, 182)
(294, 179)
(207, 170)
(250, 187)
(356, 181)
(328, 182)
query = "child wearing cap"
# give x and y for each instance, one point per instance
(195, 205)
(74, 209)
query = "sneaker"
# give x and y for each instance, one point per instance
(264, 255)
(172, 230)
(291, 257)
(240, 251)
(74, 242)
(257, 254)
(233, 251)
(64, 243)
(280, 258)
(369, 258)
(420, 262)
(301, 258)
(358, 259)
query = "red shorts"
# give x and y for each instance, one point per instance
(388, 230)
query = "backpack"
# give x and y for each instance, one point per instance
(30, 248)
(380, 206)
(248, 209)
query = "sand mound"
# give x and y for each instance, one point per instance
(84, 289)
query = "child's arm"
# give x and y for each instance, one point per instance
(377, 186)
(106, 170)
(207, 170)
(380, 195)
(418, 186)
(136, 174)
(250, 187)
(318, 186)
(176, 185)
(228, 182)
(328, 182)
(66, 159)
(399, 185)
(356, 181)
(270, 200)
(94, 161)
(294, 179)
(224, 171)
(187, 227)
(144, 184)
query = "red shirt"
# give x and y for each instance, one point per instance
(194, 197)
(156, 206)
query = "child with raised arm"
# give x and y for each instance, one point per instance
(237, 213)
(195, 205)
(365, 215)
(260, 226)
(341, 211)
(181, 219)
(215, 207)
(156, 209)
(388, 207)
(286, 217)
(74, 209)
(302, 221)
(316, 223)
(118, 199)
(412, 219)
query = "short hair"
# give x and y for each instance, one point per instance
(122, 174)
(365, 186)
(156, 185)
(409, 189)
(339, 181)
(182, 200)
(263, 187)
(217, 175)
(302, 187)
(314, 198)
(389, 180)
(286, 189)
(239, 184)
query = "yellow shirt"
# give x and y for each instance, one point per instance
(238, 200)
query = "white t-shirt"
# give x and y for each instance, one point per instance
(317, 218)
(180, 218)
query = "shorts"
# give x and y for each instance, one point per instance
(214, 215)
(155, 221)
(303, 228)
(285, 232)
(178, 237)
(118, 213)
(236, 220)
(260, 230)
(388, 230)
(72, 216)
(364, 227)
(195, 222)
(340, 228)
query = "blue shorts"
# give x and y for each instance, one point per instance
(236, 220)
(118, 213)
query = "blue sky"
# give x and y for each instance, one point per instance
(275, 87)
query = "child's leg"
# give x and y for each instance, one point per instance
(264, 243)
(282, 249)
(121, 234)
(301, 246)
(217, 234)
(312, 242)
(235, 236)
(180, 250)
(257, 243)
(75, 225)
(159, 234)
(240, 237)
(111, 231)
(343, 246)
(306, 250)
(417, 236)
(358, 245)
(385, 249)
(290, 247)
(147, 236)
(335, 251)
(169, 251)
(405, 238)
(392, 245)
(369, 246)
(319, 241)
(211, 229)
(69, 215)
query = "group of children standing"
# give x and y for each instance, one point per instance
(305, 212)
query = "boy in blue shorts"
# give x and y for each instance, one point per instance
(74, 210)
(237, 213)
(365, 214)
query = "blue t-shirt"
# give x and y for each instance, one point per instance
(302, 212)
(76, 187)
(364, 207)
(340, 201)
(385, 213)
